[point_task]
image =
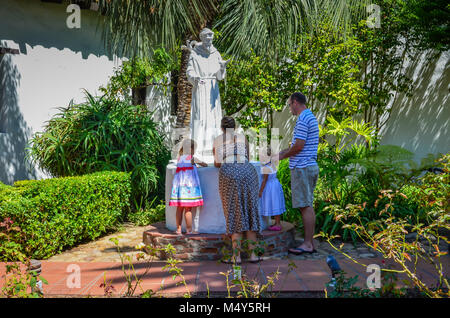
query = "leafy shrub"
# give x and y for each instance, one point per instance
(357, 175)
(148, 216)
(434, 189)
(139, 73)
(388, 233)
(55, 214)
(104, 134)
(414, 206)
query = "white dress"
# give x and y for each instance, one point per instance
(272, 199)
(186, 190)
(206, 108)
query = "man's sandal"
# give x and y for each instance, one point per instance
(300, 251)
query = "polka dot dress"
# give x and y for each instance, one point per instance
(238, 187)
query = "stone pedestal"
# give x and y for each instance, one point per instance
(210, 246)
(209, 218)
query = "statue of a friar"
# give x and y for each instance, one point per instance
(205, 68)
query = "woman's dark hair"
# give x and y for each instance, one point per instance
(227, 122)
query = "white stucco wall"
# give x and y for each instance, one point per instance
(55, 64)
(421, 123)
(159, 101)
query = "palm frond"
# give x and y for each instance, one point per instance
(269, 27)
(134, 28)
(261, 26)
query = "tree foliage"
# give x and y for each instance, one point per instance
(139, 73)
(133, 28)
(361, 73)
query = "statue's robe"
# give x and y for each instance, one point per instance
(206, 109)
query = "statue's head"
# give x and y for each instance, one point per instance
(206, 36)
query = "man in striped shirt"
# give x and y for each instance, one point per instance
(304, 169)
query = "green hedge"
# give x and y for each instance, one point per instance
(55, 214)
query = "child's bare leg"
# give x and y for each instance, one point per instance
(194, 226)
(278, 220)
(179, 219)
(277, 224)
(188, 219)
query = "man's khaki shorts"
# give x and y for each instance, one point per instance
(303, 183)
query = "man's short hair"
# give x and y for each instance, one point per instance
(299, 97)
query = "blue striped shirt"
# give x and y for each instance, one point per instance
(306, 128)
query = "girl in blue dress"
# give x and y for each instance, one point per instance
(186, 192)
(271, 195)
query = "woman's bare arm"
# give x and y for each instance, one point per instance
(216, 164)
(263, 184)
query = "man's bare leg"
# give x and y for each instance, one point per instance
(309, 223)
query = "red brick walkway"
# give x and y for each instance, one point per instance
(307, 276)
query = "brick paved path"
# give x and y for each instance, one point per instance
(99, 261)
(308, 276)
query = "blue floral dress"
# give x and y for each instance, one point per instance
(186, 191)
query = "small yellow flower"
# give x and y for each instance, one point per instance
(140, 246)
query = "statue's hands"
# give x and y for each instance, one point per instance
(223, 64)
(198, 80)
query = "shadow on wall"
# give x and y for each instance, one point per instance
(158, 100)
(420, 123)
(32, 22)
(14, 132)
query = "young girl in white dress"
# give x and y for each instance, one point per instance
(186, 192)
(271, 194)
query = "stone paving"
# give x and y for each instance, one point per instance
(103, 250)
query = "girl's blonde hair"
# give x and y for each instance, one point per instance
(265, 155)
(187, 144)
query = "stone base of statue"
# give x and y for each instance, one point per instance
(210, 223)
(209, 218)
(200, 247)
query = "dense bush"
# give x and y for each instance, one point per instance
(390, 232)
(104, 134)
(151, 214)
(139, 73)
(43, 217)
(357, 176)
